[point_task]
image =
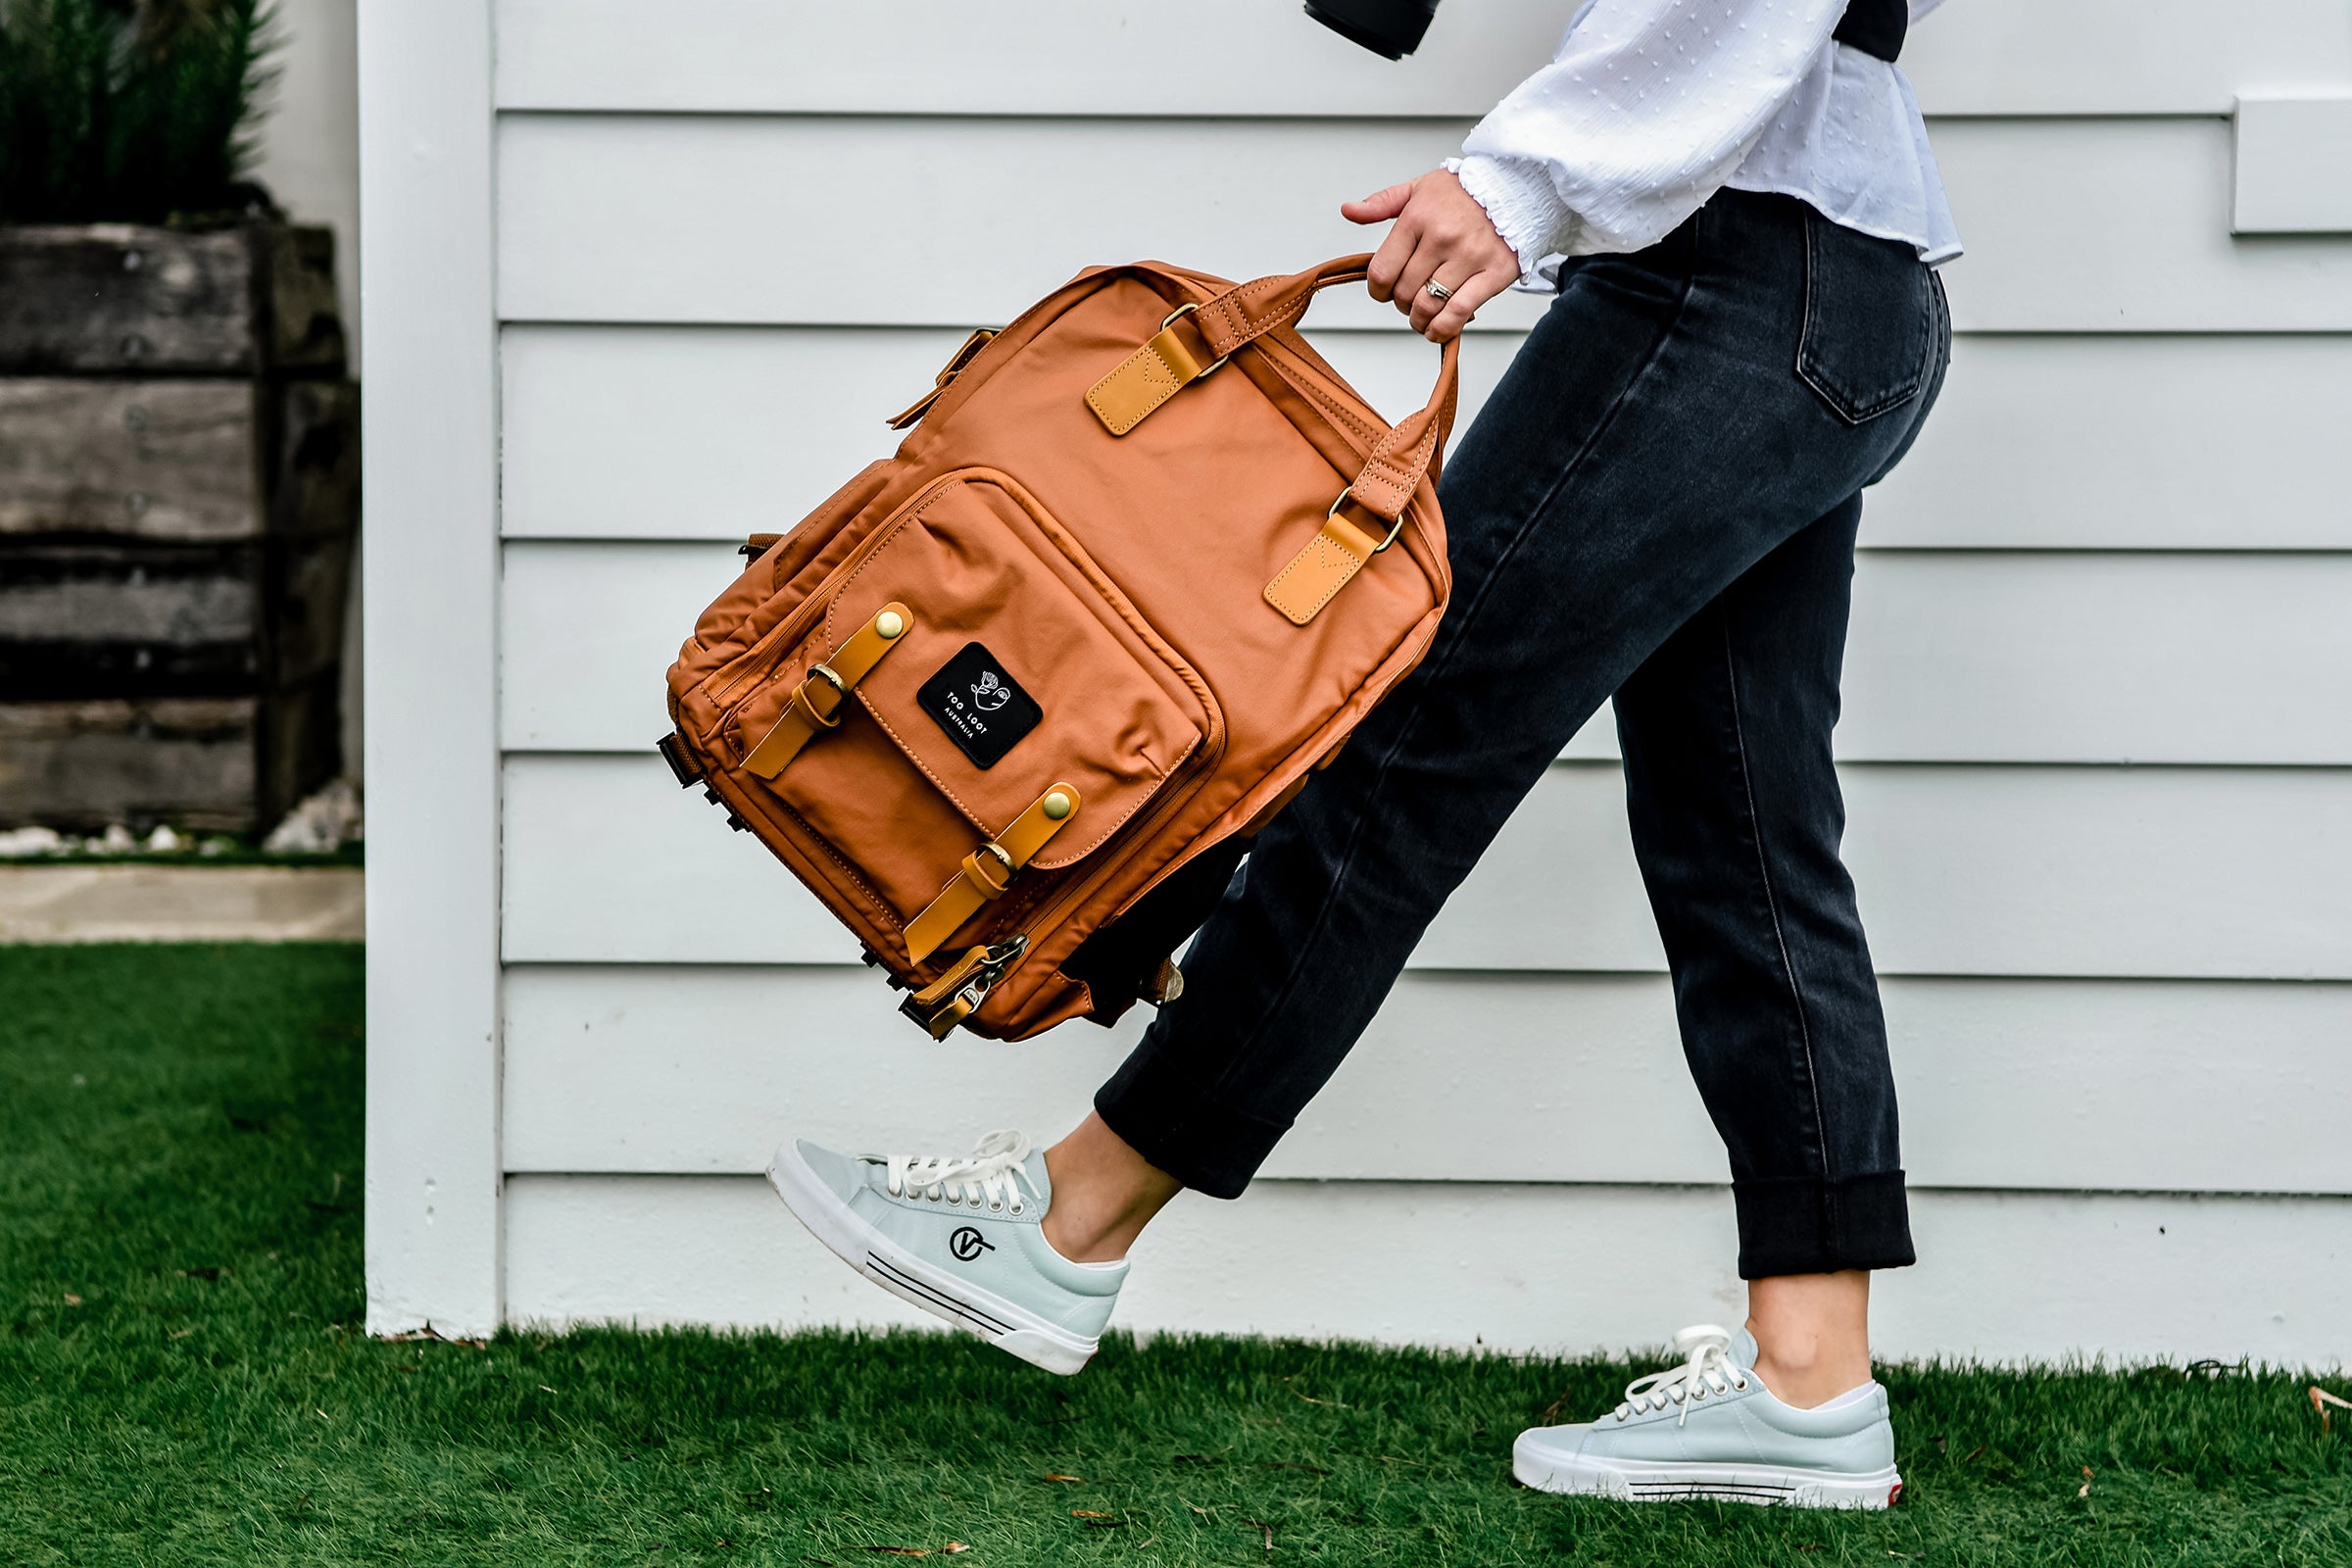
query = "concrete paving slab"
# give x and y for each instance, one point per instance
(51, 903)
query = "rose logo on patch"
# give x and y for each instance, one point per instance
(988, 693)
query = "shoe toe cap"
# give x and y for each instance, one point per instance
(1540, 1444)
(843, 1174)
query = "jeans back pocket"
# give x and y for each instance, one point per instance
(1871, 334)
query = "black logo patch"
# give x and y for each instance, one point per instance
(967, 1243)
(980, 706)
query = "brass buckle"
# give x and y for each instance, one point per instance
(841, 694)
(1187, 308)
(1394, 528)
(940, 1019)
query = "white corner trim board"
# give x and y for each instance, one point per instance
(431, 617)
(2292, 171)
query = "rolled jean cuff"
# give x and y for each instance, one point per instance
(1181, 1127)
(1807, 1226)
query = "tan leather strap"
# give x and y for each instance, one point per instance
(989, 870)
(1163, 366)
(1336, 553)
(815, 704)
(954, 368)
(1168, 363)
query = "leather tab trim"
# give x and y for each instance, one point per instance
(988, 872)
(1144, 380)
(947, 985)
(816, 704)
(1333, 557)
(1162, 368)
(956, 362)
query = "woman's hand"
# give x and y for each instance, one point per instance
(1441, 236)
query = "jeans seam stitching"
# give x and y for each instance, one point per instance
(1290, 980)
(1796, 993)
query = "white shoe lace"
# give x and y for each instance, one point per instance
(1708, 1369)
(994, 1173)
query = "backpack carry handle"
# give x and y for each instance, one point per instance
(1395, 467)
(1200, 335)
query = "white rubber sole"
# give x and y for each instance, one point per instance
(1005, 1324)
(1660, 1481)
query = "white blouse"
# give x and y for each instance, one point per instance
(1652, 106)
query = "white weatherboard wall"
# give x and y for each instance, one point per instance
(2097, 746)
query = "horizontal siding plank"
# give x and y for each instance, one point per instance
(2037, 442)
(2024, 56)
(2127, 1278)
(668, 433)
(1969, 658)
(2064, 442)
(2127, 872)
(2089, 1085)
(2077, 225)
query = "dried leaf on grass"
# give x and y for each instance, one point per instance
(948, 1550)
(428, 1334)
(2320, 1399)
(1268, 1528)
(1056, 1475)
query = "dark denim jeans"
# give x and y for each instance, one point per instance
(1658, 501)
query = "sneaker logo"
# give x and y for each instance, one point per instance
(967, 1243)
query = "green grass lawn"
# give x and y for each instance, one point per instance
(184, 1381)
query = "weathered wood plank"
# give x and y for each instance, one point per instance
(147, 619)
(83, 766)
(143, 459)
(119, 297)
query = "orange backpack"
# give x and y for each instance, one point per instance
(1012, 702)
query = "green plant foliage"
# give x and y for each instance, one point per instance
(130, 111)
(184, 1382)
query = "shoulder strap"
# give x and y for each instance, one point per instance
(1874, 26)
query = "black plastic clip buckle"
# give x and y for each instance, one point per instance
(681, 766)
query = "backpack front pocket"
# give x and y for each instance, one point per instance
(1019, 667)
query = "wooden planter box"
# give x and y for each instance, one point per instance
(178, 503)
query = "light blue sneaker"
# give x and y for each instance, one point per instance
(962, 1238)
(1709, 1427)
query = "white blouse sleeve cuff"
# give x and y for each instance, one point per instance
(1525, 207)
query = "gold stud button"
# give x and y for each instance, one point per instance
(1057, 805)
(890, 623)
